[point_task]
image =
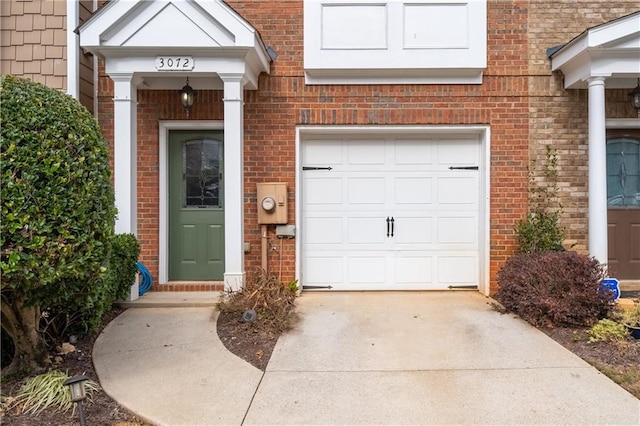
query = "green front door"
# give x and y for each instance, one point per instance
(196, 210)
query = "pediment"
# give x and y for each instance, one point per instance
(166, 23)
(129, 34)
(610, 50)
(169, 26)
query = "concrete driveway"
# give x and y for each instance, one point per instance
(428, 358)
(419, 358)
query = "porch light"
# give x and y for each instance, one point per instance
(78, 393)
(635, 97)
(186, 96)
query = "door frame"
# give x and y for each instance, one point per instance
(482, 131)
(622, 124)
(163, 185)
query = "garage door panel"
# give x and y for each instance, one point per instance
(413, 190)
(323, 230)
(366, 190)
(457, 230)
(413, 230)
(323, 269)
(458, 152)
(366, 230)
(365, 153)
(457, 269)
(323, 191)
(367, 269)
(417, 269)
(457, 190)
(322, 152)
(413, 152)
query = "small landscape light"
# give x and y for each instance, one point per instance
(78, 393)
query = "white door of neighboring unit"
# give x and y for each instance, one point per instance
(390, 214)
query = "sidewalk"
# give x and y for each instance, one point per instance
(357, 358)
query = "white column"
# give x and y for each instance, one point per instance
(597, 171)
(124, 147)
(73, 49)
(234, 273)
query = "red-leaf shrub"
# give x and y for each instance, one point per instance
(554, 289)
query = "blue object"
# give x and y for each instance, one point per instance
(146, 280)
(613, 285)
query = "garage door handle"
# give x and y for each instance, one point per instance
(393, 225)
(388, 223)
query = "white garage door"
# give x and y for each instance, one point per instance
(390, 214)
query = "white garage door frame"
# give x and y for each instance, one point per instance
(482, 132)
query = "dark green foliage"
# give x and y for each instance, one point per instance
(554, 289)
(57, 213)
(541, 230)
(83, 310)
(122, 265)
(57, 200)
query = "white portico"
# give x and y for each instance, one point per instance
(605, 55)
(154, 45)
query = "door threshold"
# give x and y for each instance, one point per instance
(190, 286)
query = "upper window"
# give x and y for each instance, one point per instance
(394, 41)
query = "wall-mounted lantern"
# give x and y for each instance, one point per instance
(186, 96)
(635, 97)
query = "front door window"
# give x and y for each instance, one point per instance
(623, 172)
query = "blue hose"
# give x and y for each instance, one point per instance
(146, 281)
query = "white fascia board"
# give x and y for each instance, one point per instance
(92, 30)
(203, 65)
(616, 30)
(393, 76)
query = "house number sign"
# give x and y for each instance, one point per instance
(174, 63)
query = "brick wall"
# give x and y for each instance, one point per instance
(520, 99)
(34, 40)
(559, 117)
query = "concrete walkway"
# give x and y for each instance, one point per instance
(357, 358)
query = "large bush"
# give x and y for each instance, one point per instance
(554, 289)
(57, 213)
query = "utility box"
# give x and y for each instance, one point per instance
(272, 203)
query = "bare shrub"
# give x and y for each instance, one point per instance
(272, 301)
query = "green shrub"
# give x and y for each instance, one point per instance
(554, 289)
(83, 311)
(122, 269)
(57, 212)
(541, 230)
(607, 330)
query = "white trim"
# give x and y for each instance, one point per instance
(623, 123)
(483, 131)
(73, 49)
(163, 185)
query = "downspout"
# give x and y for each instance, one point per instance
(73, 49)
